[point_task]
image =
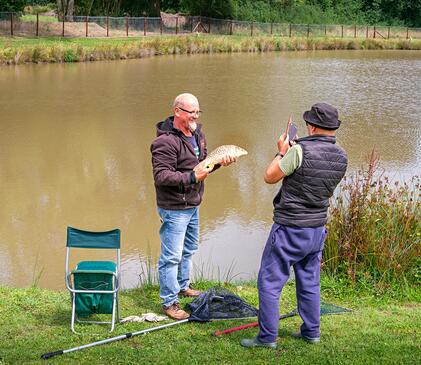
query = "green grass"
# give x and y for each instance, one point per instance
(27, 50)
(41, 18)
(382, 329)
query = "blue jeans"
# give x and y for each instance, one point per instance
(179, 235)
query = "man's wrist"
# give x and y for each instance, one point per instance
(193, 178)
(280, 154)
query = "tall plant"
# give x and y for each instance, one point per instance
(374, 227)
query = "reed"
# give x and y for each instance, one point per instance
(374, 228)
(53, 50)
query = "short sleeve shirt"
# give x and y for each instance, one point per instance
(292, 160)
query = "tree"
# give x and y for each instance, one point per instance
(12, 5)
(212, 8)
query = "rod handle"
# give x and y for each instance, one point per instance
(51, 354)
(239, 328)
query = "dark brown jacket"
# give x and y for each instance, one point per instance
(173, 160)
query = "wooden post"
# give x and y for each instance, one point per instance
(290, 30)
(342, 31)
(11, 24)
(325, 30)
(366, 33)
(37, 32)
(144, 26)
(231, 27)
(160, 24)
(407, 33)
(209, 25)
(251, 29)
(355, 31)
(86, 20)
(62, 32)
(271, 28)
(374, 33)
(127, 26)
(308, 30)
(191, 24)
(108, 25)
(176, 25)
(388, 32)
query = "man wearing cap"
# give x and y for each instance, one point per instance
(310, 170)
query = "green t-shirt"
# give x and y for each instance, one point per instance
(292, 160)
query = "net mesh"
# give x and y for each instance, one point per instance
(220, 303)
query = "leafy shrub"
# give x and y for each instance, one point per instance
(374, 228)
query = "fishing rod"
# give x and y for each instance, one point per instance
(48, 355)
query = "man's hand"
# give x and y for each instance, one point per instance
(283, 143)
(228, 160)
(201, 173)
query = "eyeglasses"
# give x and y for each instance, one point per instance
(191, 112)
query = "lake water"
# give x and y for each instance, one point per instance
(74, 148)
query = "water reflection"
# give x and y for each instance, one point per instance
(74, 147)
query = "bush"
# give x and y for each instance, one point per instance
(12, 5)
(374, 228)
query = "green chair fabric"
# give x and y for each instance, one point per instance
(86, 239)
(93, 276)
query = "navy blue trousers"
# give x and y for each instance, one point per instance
(301, 248)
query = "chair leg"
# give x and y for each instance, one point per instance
(118, 309)
(114, 310)
(72, 325)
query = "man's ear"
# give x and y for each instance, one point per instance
(176, 111)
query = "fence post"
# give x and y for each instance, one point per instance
(160, 24)
(11, 24)
(355, 31)
(308, 30)
(37, 32)
(271, 28)
(62, 32)
(108, 25)
(366, 33)
(374, 33)
(209, 26)
(407, 32)
(176, 25)
(144, 26)
(231, 27)
(127, 26)
(325, 30)
(290, 29)
(86, 20)
(388, 32)
(251, 29)
(342, 31)
(191, 24)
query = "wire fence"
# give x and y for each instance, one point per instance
(11, 24)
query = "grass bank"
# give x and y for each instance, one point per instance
(382, 329)
(24, 50)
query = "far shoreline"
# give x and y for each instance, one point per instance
(17, 51)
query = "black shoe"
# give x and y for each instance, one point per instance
(254, 342)
(306, 338)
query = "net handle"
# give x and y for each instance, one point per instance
(254, 324)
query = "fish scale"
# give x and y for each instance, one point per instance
(217, 155)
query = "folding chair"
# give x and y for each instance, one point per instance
(93, 285)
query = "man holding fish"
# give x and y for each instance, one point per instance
(179, 183)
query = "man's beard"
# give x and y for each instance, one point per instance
(192, 126)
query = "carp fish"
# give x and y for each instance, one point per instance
(216, 156)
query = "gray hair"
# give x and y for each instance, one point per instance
(180, 99)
